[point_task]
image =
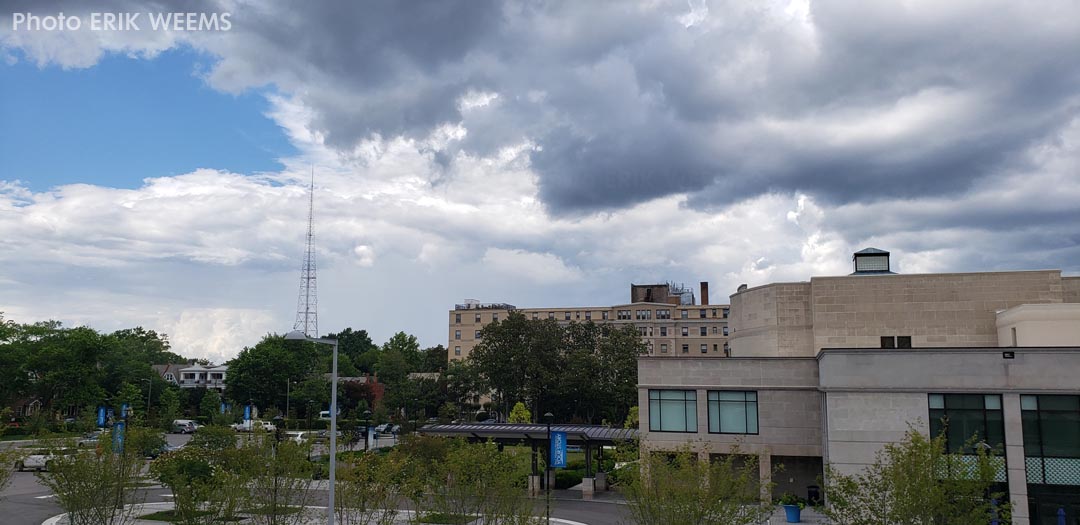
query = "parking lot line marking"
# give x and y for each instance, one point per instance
(45, 497)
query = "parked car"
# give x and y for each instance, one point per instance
(154, 453)
(394, 429)
(90, 439)
(41, 459)
(382, 428)
(184, 426)
(298, 437)
(249, 426)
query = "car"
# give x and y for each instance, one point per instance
(488, 422)
(90, 439)
(184, 426)
(433, 421)
(394, 429)
(382, 428)
(163, 449)
(252, 425)
(298, 437)
(41, 459)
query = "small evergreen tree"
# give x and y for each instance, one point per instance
(520, 414)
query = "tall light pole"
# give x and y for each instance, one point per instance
(547, 469)
(297, 335)
(149, 388)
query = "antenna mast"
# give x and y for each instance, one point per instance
(307, 304)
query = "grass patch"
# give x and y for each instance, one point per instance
(280, 510)
(447, 519)
(169, 515)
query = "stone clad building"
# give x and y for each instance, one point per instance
(828, 371)
(669, 318)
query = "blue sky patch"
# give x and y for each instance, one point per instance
(127, 119)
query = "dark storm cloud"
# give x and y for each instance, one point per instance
(850, 101)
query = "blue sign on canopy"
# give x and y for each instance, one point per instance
(558, 449)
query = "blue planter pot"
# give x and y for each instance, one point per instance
(794, 513)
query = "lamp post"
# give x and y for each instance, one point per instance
(297, 335)
(149, 388)
(548, 416)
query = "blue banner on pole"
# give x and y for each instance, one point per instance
(247, 412)
(223, 408)
(558, 449)
(124, 411)
(118, 436)
(100, 416)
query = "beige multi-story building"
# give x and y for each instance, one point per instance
(828, 371)
(669, 318)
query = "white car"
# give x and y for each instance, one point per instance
(249, 426)
(298, 437)
(40, 460)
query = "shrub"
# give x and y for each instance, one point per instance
(565, 479)
(95, 487)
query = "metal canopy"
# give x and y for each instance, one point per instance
(514, 432)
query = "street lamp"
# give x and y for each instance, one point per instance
(297, 335)
(548, 416)
(149, 388)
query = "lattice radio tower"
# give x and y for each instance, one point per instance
(307, 304)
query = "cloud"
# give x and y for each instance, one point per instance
(550, 154)
(538, 267)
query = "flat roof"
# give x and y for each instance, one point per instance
(526, 431)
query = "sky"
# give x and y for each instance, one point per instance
(534, 153)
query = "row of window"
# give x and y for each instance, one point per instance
(622, 315)
(1051, 422)
(730, 412)
(703, 331)
(686, 348)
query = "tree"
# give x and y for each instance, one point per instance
(917, 481)
(681, 489)
(260, 373)
(520, 414)
(170, 407)
(356, 345)
(433, 359)
(520, 359)
(408, 347)
(97, 487)
(631, 418)
(210, 406)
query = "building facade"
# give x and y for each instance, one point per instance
(828, 371)
(672, 323)
(198, 376)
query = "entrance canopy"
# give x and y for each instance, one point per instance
(517, 432)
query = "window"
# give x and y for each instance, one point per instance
(624, 315)
(663, 348)
(714, 347)
(964, 416)
(733, 412)
(714, 329)
(672, 411)
(663, 331)
(577, 315)
(725, 330)
(1051, 430)
(900, 341)
(477, 318)
(457, 318)
(686, 349)
(685, 331)
(566, 316)
(727, 350)
(643, 315)
(457, 334)
(588, 316)
(604, 315)
(701, 313)
(684, 314)
(551, 315)
(457, 350)
(495, 317)
(714, 312)
(477, 336)
(536, 315)
(703, 331)
(726, 311)
(642, 331)
(663, 314)
(888, 342)
(704, 349)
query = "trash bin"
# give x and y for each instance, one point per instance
(813, 494)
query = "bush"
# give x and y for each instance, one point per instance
(565, 479)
